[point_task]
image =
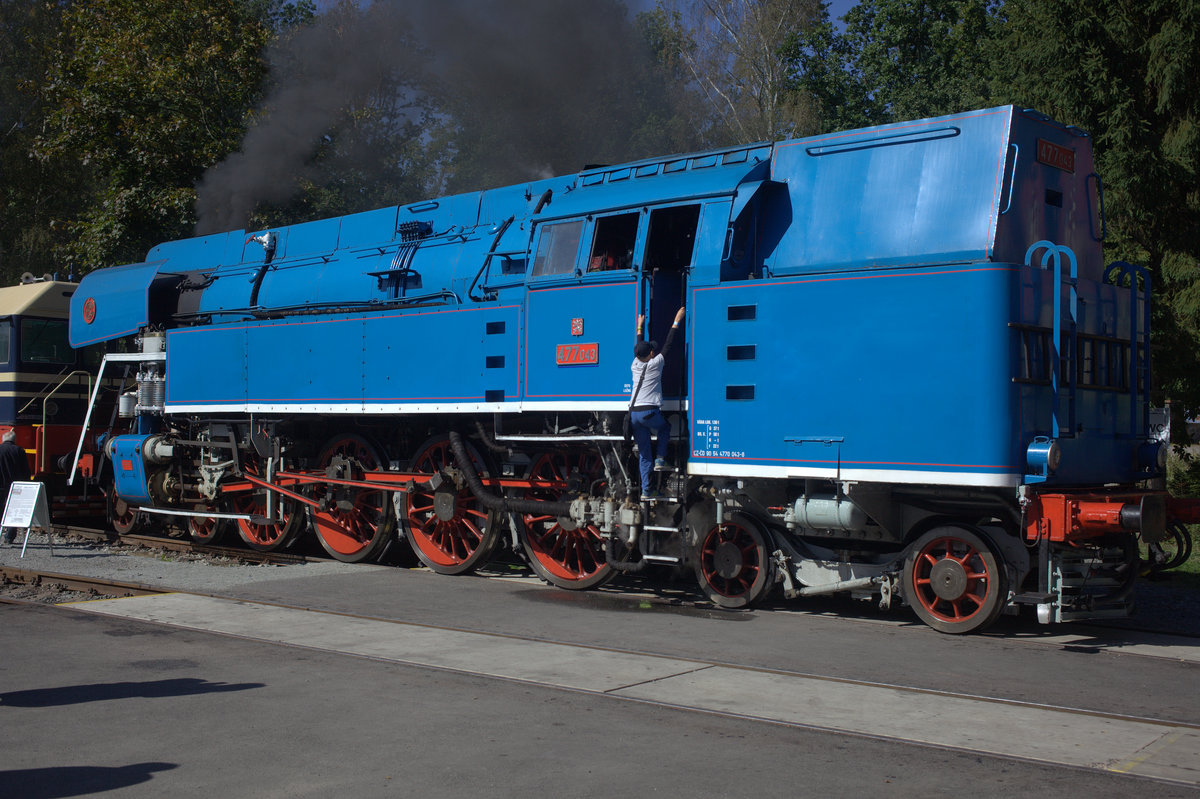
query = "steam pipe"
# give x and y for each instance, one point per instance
(621, 565)
(487, 259)
(267, 240)
(490, 500)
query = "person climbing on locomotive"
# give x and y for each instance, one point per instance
(645, 404)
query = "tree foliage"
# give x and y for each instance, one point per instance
(144, 95)
(33, 198)
(736, 54)
(1129, 73)
(898, 59)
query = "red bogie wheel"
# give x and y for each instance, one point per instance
(265, 536)
(356, 523)
(448, 528)
(206, 530)
(561, 552)
(124, 517)
(733, 563)
(954, 580)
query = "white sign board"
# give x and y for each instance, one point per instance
(26, 506)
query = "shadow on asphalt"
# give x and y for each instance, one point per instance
(100, 692)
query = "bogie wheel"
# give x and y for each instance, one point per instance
(954, 579)
(124, 517)
(264, 536)
(356, 523)
(448, 528)
(561, 552)
(207, 530)
(733, 563)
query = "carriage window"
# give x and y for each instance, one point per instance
(5, 340)
(613, 245)
(45, 341)
(557, 249)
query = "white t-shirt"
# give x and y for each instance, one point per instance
(651, 393)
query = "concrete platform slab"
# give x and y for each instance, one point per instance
(1047, 734)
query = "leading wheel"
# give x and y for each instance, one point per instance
(954, 580)
(355, 523)
(449, 529)
(206, 530)
(560, 551)
(733, 564)
(123, 516)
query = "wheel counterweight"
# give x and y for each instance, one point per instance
(561, 552)
(448, 528)
(356, 524)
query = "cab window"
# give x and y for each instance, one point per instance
(557, 248)
(45, 341)
(612, 246)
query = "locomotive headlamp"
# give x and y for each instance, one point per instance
(1044, 455)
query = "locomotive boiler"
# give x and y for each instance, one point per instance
(906, 374)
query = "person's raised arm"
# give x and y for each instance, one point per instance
(674, 326)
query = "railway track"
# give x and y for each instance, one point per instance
(42, 585)
(167, 543)
(92, 586)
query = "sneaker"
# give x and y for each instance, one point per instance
(661, 465)
(651, 495)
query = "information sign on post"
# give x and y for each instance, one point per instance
(27, 507)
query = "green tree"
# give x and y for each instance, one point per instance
(737, 56)
(34, 196)
(146, 94)
(898, 59)
(1129, 73)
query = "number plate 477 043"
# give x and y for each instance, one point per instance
(575, 354)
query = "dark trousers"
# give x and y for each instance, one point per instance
(646, 423)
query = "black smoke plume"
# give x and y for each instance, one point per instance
(527, 87)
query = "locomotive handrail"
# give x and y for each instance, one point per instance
(45, 400)
(114, 357)
(487, 259)
(67, 377)
(1053, 254)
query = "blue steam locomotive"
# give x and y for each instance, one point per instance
(905, 374)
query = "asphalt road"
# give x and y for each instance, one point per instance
(447, 687)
